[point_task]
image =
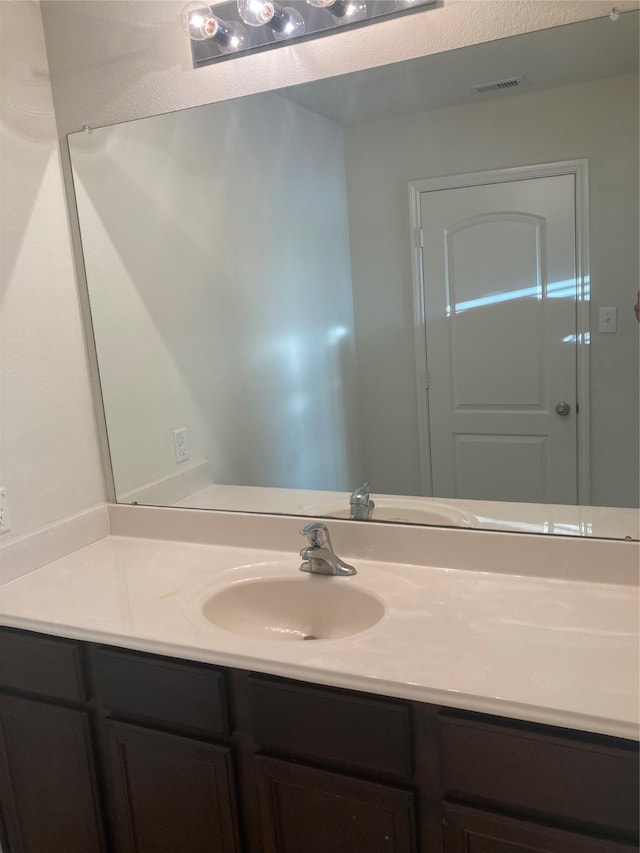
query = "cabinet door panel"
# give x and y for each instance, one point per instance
(170, 793)
(47, 781)
(313, 811)
(473, 831)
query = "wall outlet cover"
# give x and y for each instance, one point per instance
(180, 444)
(5, 525)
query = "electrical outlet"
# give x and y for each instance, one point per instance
(180, 444)
(5, 526)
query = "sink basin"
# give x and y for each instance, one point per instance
(406, 510)
(304, 608)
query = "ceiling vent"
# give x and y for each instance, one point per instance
(499, 86)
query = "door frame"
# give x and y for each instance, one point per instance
(580, 170)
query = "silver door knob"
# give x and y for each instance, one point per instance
(563, 409)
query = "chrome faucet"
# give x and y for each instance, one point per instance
(319, 557)
(360, 502)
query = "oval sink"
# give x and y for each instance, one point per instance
(403, 510)
(305, 608)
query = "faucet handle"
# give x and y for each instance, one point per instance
(361, 494)
(360, 502)
(318, 534)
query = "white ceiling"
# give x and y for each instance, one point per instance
(573, 53)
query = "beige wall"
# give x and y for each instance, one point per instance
(597, 121)
(49, 458)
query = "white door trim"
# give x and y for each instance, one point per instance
(578, 168)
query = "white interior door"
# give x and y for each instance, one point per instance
(499, 278)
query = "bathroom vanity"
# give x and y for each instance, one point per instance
(109, 749)
(492, 711)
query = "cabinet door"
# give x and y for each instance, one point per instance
(473, 831)
(47, 781)
(170, 793)
(312, 811)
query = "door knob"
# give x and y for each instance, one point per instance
(563, 409)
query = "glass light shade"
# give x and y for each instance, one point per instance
(198, 21)
(290, 24)
(348, 11)
(231, 36)
(256, 13)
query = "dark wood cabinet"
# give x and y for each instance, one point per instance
(540, 771)
(367, 733)
(48, 786)
(304, 809)
(170, 793)
(106, 750)
(469, 830)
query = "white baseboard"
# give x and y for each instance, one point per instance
(171, 489)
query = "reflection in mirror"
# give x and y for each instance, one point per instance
(421, 276)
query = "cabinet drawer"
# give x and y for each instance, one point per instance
(186, 695)
(474, 831)
(594, 782)
(327, 724)
(47, 666)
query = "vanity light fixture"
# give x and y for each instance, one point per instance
(228, 29)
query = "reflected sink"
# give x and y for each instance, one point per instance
(304, 608)
(405, 510)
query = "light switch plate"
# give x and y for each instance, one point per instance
(607, 320)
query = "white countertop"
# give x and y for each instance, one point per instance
(557, 650)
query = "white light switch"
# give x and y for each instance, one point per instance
(607, 320)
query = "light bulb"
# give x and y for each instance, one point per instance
(256, 13)
(196, 20)
(286, 23)
(231, 36)
(200, 23)
(348, 11)
(321, 4)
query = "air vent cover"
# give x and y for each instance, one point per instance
(499, 85)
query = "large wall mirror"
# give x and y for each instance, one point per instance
(420, 276)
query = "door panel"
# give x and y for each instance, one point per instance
(314, 811)
(499, 265)
(47, 779)
(170, 793)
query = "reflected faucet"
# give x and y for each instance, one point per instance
(319, 556)
(361, 504)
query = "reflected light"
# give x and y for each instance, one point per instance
(335, 334)
(565, 289)
(578, 339)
